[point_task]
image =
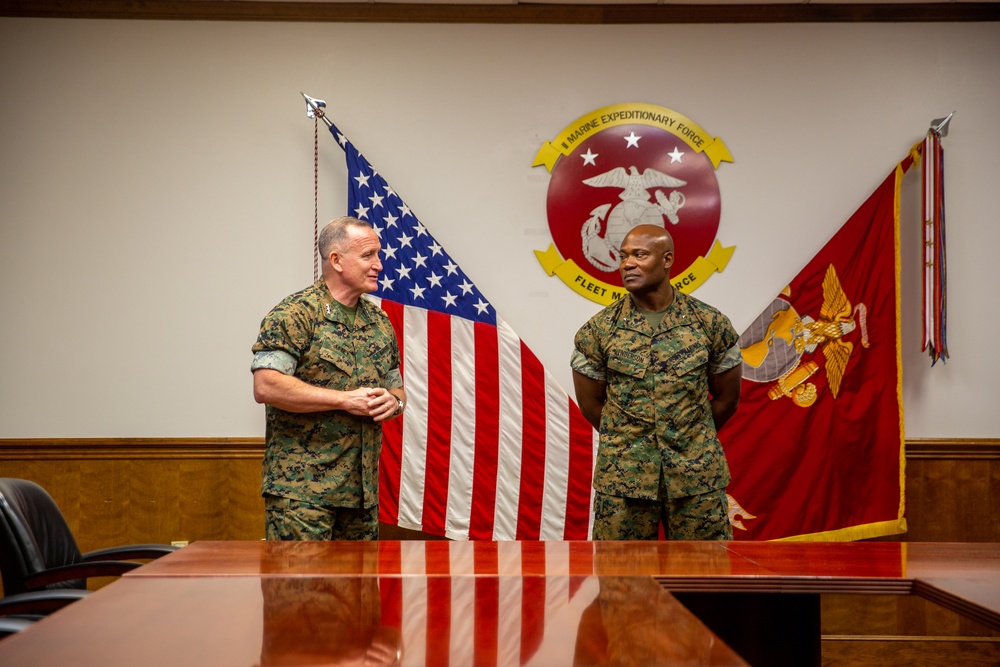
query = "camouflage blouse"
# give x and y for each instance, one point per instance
(657, 417)
(329, 458)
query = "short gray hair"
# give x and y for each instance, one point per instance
(335, 234)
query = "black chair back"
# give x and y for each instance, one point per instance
(34, 536)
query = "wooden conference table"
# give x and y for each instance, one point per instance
(495, 603)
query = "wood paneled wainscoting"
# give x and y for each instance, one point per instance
(952, 492)
(133, 490)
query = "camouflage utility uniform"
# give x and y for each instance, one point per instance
(657, 436)
(326, 459)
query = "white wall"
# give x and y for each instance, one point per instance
(156, 196)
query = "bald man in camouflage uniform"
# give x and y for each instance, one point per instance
(643, 369)
(326, 364)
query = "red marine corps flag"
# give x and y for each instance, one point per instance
(816, 447)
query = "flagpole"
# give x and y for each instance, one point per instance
(314, 109)
(934, 260)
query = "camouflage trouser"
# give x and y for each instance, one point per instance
(288, 519)
(701, 517)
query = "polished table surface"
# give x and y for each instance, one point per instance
(768, 561)
(964, 577)
(371, 620)
(450, 603)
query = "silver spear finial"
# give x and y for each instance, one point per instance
(314, 108)
(939, 126)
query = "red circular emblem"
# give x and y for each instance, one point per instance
(623, 176)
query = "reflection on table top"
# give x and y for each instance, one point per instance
(371, 620)
(964, 577)
(817, 560)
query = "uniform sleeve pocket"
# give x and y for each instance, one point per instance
(382, 360)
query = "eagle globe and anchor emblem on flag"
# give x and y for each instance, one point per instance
(776, 343)
(622, 166)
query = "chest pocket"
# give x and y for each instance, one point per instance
(692, 357)
(629, 355)
(628, 377)
(343, 360)
(367, 352)
(630, 366)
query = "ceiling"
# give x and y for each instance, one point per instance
(513, 11)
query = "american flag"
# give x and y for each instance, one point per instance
(490, 446)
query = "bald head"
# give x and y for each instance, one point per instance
(653, 235)
(647, 253)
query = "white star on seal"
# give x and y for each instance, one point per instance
(632, 140)
(589, 158)
(676, 155)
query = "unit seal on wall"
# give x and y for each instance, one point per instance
(622, 166)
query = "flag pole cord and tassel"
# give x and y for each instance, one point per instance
(935, 299)
(314, 110)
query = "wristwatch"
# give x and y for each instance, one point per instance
(399, 408)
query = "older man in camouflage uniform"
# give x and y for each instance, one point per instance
(326, 363)
(643, 369)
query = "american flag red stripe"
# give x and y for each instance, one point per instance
(392, 431)
(484, 490)
(439, 422)
(489, 446)
(581, 466)
(529, 519)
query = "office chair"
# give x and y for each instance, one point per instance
(36, 604)
(39, 552)
(20, 610)
(9, 626)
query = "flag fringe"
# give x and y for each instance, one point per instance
(852, 533)
(900, 171)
